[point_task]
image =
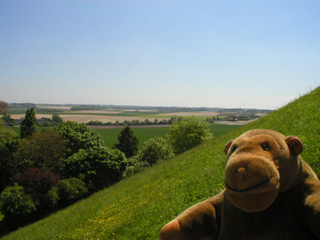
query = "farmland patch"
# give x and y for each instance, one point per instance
(104, 119)
(190, 114)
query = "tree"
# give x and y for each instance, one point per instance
(70, 190)
(45, 150)
(29, 124)
(98, 166)
(56, 118)
(78, 136)
(4, 108)
(7, 150)
(128, 142)
(36, 183)
(16, 205)
(154, 150)
(147, 122)
(186, 134)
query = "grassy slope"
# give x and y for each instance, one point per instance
(138, 207)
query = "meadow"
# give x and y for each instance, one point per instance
(144, 133)
(137, 207)
(110, 135)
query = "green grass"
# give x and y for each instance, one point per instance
(18, 111)
(138, 207)
(110, 136)
(17, 129)
(220, 129)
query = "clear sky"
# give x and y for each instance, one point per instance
(242, 53)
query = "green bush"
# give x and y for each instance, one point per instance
(56, 119)
(15, 203)
(154, 150)
(186, 134)
(36, 183)
(129, 172)
(79, 136)
(70, 190)
(45, 150)
(99, 166)
(52, 198)
(7, 149)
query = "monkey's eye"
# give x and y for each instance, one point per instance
(265, 146)
(234, 148)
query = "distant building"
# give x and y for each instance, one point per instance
(43, 120)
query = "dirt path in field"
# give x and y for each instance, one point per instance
(38, 116)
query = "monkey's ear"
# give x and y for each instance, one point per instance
(295, 145)
(227, 146)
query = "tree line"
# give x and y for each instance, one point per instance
(137, 122)
(43, 171)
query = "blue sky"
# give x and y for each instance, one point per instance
(248, 54)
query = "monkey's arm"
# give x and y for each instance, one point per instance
(201, 221)
(312, 200)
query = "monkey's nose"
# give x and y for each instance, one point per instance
(241, 171)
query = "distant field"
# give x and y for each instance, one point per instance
(110, 136)
(143, 134)
(17, 129)
(85, 118)
(38, 116)
(112, 115)
(54, 107)
(98, 111)
(195, 114)
(104, 119)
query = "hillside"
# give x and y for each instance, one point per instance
(138, 207)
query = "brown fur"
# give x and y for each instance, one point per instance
(271, 193)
